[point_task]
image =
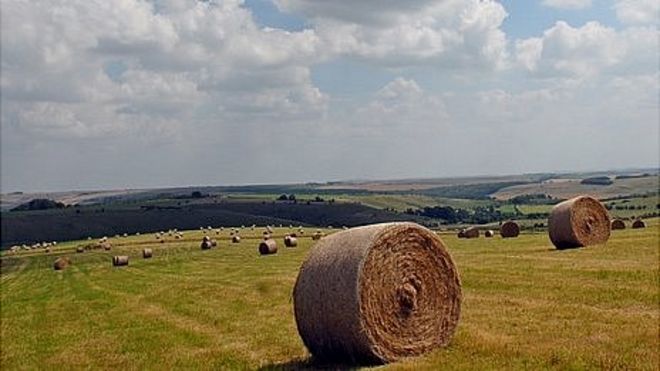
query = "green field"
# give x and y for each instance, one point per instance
(525, 305)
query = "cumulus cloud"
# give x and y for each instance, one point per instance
(176, 57)
(565, 51)
(567, 4)
(455, 33)
(638, 11)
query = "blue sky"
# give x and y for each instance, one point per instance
(99, 95)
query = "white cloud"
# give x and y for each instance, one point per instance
(567, 4)
(638, 11)
(565, 51)
(178, 57)
(455, 33)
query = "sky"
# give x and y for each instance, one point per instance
(99, 94)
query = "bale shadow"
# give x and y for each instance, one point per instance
(308, 364)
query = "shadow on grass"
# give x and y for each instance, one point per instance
(308, 364)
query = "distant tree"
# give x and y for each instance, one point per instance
(196, 194)
(318, 199)
(283, 198)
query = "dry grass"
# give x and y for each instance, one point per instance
(526, 305)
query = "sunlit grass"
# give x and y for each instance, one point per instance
(526, 305)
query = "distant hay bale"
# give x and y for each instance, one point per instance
(618, 224)
(317, 236)
(267, 247)
(206, 244)
(269, 229)
(461, 233)
(61, 263)
(294, 235)
(119, 260)
(376, 294)
(290, 241)
(471, 232)
(107, 246)
(80, 249)
(236, 239)
(581, 221)
(47, 249)
(509, 229)
(639, 223)
(214, 243)
(489, 233)
(162, 241)
(147, 253)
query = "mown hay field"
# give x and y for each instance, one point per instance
(526, 305)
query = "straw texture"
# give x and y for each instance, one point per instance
(376, 294)
(581, 221)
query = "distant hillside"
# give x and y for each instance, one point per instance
(79, 223)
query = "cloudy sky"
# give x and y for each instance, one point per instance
(125, 93)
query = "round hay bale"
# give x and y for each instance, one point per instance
(236, 239)
(162, 241)
(461, 233)
(214, 243)
(267, 247)
(47, 249)
(206, 238)
(377, 294)
(147, 253)
(205, 245)
(639, 223)
(581, 221)
(269, 229)
(107, 246)
(294, 235)
(509, 229)
(618, 224)
(489, 233)
(317, 236)
(80, 249)
(290, 241)
(471, 232)
(61, 263)
(119, 260)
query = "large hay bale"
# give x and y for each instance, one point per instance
(267, 247)
(618, 224)
(290, 241)
(119, 260)
(471, 232)
(147, 253)
(205, 245)
(61, 263)
(581, 221)
(509, 229)
(639, 223)
(236, 239)
(489, 233)
(377, 294)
